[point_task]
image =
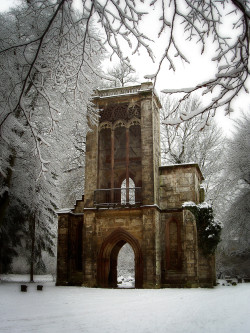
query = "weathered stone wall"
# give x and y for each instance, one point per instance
(157, 149)
(91, 163)
(62, 249)
(79, 206)
(108, 221)
(190, 249)
(148, 248)
(173, 263)
(139, 223)
(89, 249)
(148, 195)
(179, 183)
(206, 270)
(69, 259)
(162, 234)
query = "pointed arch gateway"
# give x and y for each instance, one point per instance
(107, 258)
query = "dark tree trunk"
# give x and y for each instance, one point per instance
(4, 204)
(32, 254)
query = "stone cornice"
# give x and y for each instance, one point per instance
(145, 87)
(183, 165)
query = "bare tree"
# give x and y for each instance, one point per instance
(186, 143)
(234, 250)
(120, 21)
(237, 214)
(56, 95)
(122, 74)
(202, 21)
(49, 57)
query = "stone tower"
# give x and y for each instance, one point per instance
(130, 198)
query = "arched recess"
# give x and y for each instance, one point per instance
(107, 259)
(173, 245)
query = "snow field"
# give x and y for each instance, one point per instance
(77, 309)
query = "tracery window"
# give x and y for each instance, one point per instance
(119, 153)
(128, 194)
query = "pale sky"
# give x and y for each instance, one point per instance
(199, 69)
(5, 4)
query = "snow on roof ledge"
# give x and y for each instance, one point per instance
(126, 91)
(64, 210)
(179, 164)
(183, 165)
(188, 204)
(136, 87)
(192, 204)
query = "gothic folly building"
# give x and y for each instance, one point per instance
(130, 198)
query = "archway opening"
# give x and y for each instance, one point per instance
(108, 257)
(126, 267)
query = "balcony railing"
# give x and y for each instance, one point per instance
(113, 197)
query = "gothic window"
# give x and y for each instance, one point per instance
(104, 156)
(128, 194)
(119, 147)
(134, 112)
(134, 145)
(123, 111)
(120, 152)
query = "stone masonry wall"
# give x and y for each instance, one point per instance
(91, 166)
(206, 270)
(69, 260)
(89, 253)
(157, 149)
(62, 249)
(172, 276)
(190, 249)
(179, 183)
(137, 222)
(162, 234)
(147, 152)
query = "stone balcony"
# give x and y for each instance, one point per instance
(118, 197)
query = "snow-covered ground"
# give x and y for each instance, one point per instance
(75, 309)
(125, 282)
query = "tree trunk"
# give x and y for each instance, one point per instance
(32, 254)
(5, 201)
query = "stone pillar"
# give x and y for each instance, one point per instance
(190, 249)
(148, 248)
(63, 249)
(207, 273)
(91, 163)
(156, 151)
(157, 250)
(147, 152)
(90, 250)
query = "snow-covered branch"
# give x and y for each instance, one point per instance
(203, 19)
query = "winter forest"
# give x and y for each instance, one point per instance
(54, 54)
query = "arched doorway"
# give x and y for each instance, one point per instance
(126, 267)
(107, 259)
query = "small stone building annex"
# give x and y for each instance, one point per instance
(130, 198)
